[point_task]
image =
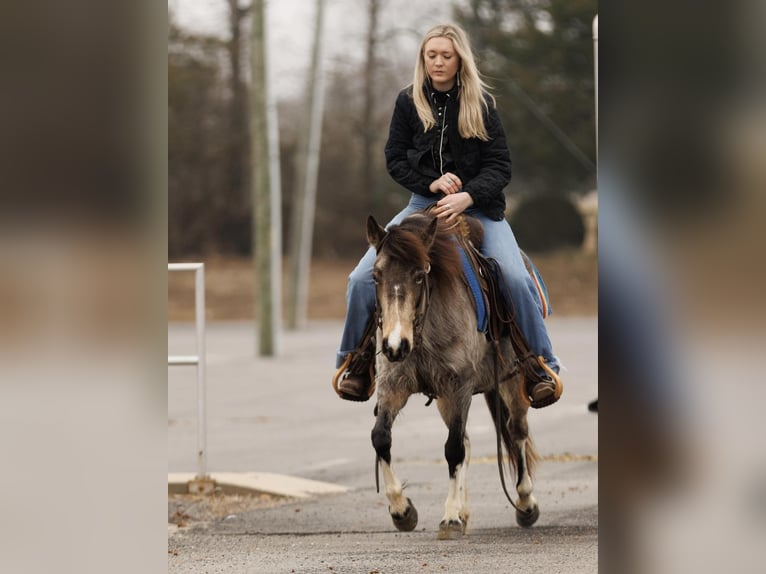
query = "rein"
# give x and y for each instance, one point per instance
(500, 317)
(496, 360)
(424, 304)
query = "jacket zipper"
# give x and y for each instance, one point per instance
(441, 138)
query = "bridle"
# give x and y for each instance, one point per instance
(421, 307)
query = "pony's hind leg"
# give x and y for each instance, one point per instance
(528, 511)
(401, 509)
(457, 452)
(525, 457)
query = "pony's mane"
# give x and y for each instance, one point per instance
(404, 243)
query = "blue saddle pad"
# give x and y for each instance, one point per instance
(478, 297)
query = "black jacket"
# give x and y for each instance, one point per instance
(484, 167)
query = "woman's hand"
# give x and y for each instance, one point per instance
(448, 208)
(448, 184)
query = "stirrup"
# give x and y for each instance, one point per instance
(343, 371)
(351, 363)
(557, 384)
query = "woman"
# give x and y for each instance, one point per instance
(447, 146)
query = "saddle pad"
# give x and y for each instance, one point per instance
(537, 279)
(478, 295)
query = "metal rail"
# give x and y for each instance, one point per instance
(197, 360)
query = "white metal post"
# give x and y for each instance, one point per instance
(198, 360)
(595, 75)
(199, 312)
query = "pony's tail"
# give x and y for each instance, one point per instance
(499, 410)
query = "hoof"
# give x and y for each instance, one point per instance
(408, 521)
(464, 519)
(450, 530)
(529, 517)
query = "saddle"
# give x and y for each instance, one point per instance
(480, 291)
(496, 317)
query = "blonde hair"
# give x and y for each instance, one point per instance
(471, 87)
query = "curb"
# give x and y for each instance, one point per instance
(257, 483)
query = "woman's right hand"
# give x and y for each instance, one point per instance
(448, 184)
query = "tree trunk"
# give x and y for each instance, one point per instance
(238, 154)
(368, 129)
(239, 172)
(306, 169)
(264, 188)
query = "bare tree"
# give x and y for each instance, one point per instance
(240, 148)
(369, 129)
(266, 216)
(237, 187)
(306, 169)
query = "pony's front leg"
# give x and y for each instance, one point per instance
(457, 451)
(401, 509)
(455, 520)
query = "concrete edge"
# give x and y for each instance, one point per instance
(258, 483)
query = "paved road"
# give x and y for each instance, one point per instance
(280, 415)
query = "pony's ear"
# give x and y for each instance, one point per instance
(430, 234)
(374, 232)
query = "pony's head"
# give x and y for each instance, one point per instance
(401, 275)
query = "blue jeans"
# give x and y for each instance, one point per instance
(499, 244)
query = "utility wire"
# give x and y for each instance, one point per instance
(557, 132)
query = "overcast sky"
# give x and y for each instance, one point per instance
(290, 29)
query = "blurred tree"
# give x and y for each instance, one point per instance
(368, 127)
(197, 158)
(306, 167)
(344, 200)
(341, 200)
(353, 179)
(538, 56)
(238, 232)
(208, 142)
(266, 189)
(547, 223)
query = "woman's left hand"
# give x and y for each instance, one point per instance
(449, 207)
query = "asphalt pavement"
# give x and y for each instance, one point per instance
(280, 416)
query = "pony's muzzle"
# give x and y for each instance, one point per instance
(398, 353)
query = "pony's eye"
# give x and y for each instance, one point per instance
(375, 277)
(419, 277)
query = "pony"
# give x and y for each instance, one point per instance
(427, 342)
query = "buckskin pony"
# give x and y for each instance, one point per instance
(428, 342)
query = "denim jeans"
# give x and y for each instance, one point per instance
(499, 244)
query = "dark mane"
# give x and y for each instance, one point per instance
(404, 243)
